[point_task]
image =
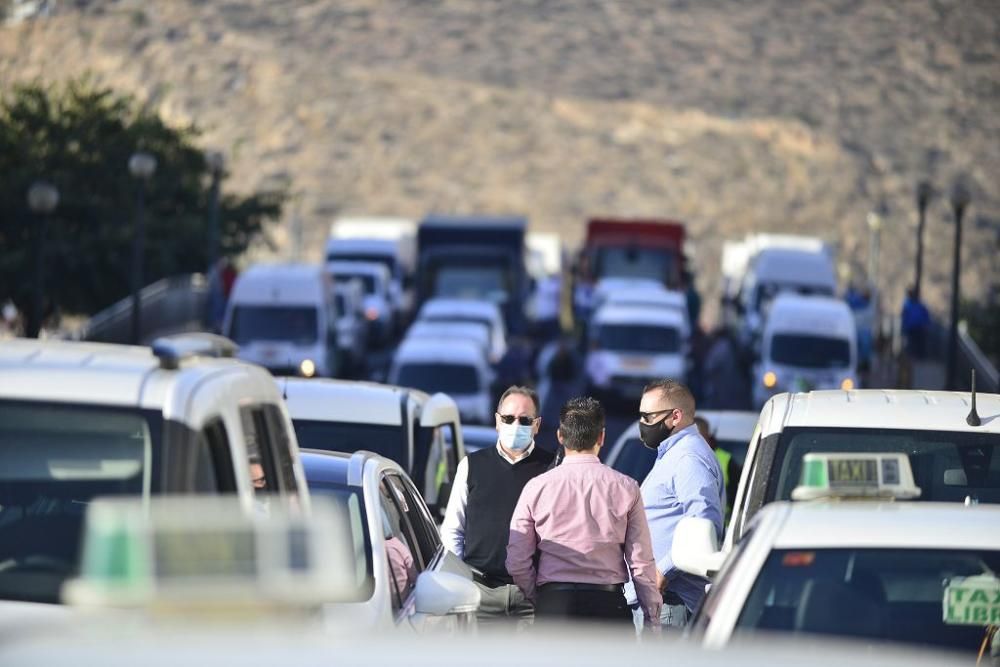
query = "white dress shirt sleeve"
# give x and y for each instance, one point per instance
(453, 526)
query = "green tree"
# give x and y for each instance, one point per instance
(79, 136)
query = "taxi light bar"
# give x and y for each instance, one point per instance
(172, 350)
(856, 475)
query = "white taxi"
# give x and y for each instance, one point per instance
(854, 563)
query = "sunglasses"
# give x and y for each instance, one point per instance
(646, 416)
(523, 420)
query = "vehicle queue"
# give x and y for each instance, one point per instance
(831, 532)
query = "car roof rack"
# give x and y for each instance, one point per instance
(172, 350)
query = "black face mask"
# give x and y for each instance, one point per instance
(653, 434)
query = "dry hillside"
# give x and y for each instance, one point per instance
(734, 116)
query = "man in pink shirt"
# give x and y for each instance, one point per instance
(587, 524)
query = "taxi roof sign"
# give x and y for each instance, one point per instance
(856, 475)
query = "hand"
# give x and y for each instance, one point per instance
(661, 582)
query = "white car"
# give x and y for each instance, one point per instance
(453, 367)
(422, 433)
(878, 570)
(283, 317)
(733, 430)
(606, 288)
(474, 332)
(952, 460)
(375, 280)
(81, 420)
(652, 297)
(411, 581)
(469, 310)
(809, 342)
(387, 241)
(630, 346)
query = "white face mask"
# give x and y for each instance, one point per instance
(515, 437)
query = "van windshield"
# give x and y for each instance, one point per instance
(434, 377)
(638, 338)
(488, 283)
(55, 459)
(367, 281)
(804, 351)
(296, 324)
(388, 261)
(947, 466)
(387, 440)
(634, 262)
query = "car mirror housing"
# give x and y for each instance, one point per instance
(696, 547)
(443, 593)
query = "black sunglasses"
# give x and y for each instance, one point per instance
(523, 420)
(646, 416)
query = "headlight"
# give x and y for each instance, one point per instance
(847, 384)
(770, 379)
(308, 368)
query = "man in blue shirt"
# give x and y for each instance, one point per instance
(686, 480)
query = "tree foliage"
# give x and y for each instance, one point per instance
(79, 136)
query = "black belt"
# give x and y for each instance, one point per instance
(559, 586)
(491, 581)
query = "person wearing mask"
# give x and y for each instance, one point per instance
(486, 488)
(584, 524)
(731, 470)
(686, 480)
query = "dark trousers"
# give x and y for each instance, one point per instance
(555, 602)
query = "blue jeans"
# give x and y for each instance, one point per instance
(672, 616)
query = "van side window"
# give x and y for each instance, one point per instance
(213, 461)
(401, 553)
(282, 444)
(260, 459)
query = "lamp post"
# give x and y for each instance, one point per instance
(960, 198)
(142, 166)
(43, 197)
(216, 163)
(924, 194)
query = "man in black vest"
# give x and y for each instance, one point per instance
(487, 486)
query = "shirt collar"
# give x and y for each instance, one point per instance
(511, 461)
(581, 458)
(665, 446)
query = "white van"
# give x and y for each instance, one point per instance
(388, 241)
(283, 318)
(376, 282)
(773, 271)
(809, 342)
(475, 332)
(470, 310)
(631, 346)
(652, 297)
(453, 367)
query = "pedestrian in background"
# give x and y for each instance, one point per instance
(915, 320)
(686, 480)
(487, 486)
(584, 525)
(731, 470)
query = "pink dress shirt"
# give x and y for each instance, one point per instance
(588, 525)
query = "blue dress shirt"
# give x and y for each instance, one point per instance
(686, 480)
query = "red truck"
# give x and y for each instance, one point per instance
(635, 248)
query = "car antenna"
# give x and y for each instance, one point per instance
(973, 418)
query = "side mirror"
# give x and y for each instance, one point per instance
(443, 593)
(696, 547)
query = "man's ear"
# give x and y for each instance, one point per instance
(559, 436)
(600, 441)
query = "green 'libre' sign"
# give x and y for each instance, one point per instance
(972, 601)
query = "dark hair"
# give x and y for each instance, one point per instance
(676, 393)
(581, 421)
(523, 391)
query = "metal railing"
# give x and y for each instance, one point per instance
(171, 305)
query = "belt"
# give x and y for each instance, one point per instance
(559, 586)
(672, 598)
(491, 581)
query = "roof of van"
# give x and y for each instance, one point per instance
(810, 314)
(444, 307)
(100, 373)
(285, 284)
(794, 266)
(625, 314)
(348, 246)
(346, 400)
(448, 351)
(880, 408)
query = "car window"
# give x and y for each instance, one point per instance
(260, 460)
(213, 464)
(638, 338)
(400, 550)
(424, 529)
(281, 443)
(386, 440)
(351, 505)
(297, 324)
(805, 351)
(433, 377)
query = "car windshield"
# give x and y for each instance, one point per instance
(767, 292)
(638, 338)
(351, 504)
(55, 459)
(472, 282)
(296, 324)
(367, 281)
(804, 351)
(947, 466)
(634, 262)
(458, 318)
(433, 377)
(384, 439)
(888, 594)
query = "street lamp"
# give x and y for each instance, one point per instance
(924, 194)
(43, 197)
(142, 166)
(960, 199)
(216, 163)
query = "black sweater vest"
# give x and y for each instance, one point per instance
(494, 488)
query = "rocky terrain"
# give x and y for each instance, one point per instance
(768, 115)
